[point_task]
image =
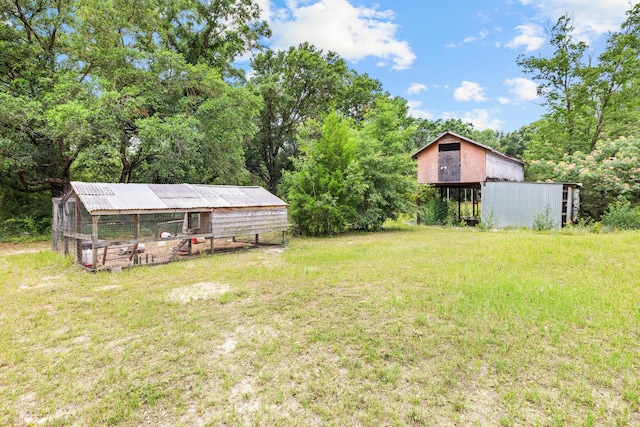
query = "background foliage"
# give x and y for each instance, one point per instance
(151, 92)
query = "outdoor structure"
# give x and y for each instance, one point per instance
(492, 182)
(107, 226)
(454, 161)
(458, 166)
(518, 204)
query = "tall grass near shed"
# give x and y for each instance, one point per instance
(410, 326)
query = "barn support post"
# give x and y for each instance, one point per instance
(94, 242)
(473, 202)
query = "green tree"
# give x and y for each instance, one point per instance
(47, 115)
(215, 32)
(428, 130)
(325, 187)
(612, 169)
(561, 85)
(515, 143)
(354, 176)
(298, 84)
(585, 98)
(388, 173)
(88, 80)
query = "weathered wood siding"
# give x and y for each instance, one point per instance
(466, 165)
(503, 169)
(428, 165)
(473, 168)
(243, 222)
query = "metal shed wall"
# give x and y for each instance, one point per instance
(517, 204)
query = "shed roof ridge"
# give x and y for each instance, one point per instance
(469, 140)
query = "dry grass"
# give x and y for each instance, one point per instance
(412, 326)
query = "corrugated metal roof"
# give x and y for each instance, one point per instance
(106, 197)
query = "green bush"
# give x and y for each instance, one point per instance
(544, 220)
(490, 222)
(620, 214)
(26, 228)
(438, 211)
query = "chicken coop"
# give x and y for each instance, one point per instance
(107, 226)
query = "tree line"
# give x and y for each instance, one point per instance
(141, 91)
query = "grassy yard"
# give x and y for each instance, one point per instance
(411, 326)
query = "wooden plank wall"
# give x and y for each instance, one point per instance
(244, 222)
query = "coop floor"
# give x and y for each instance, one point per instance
(162, 252)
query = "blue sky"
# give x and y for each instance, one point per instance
(449, 59)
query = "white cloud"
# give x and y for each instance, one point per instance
(523, 89)
(417, 112)
(480, 36)
(416, 88)
(591, 18)
(353, 32)
(469, 91)
(504, 100)
(480, 119)
(531, 37)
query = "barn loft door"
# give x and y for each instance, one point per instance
(449, 162)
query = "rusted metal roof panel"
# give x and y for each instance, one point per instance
(116, 198)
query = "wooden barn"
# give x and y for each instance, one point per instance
(467, 171)
(107, 226)
(452, 160)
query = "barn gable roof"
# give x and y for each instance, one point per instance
(105, 198)
(471, 141)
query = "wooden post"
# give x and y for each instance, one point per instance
(134, 252)
(211, 227)
(94, 243)
(78, 230)
(136, 236)
(55, 236)
(257, 242)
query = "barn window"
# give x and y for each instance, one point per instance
(454, 146)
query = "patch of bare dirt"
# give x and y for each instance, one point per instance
(197, 291)
(21, 248)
